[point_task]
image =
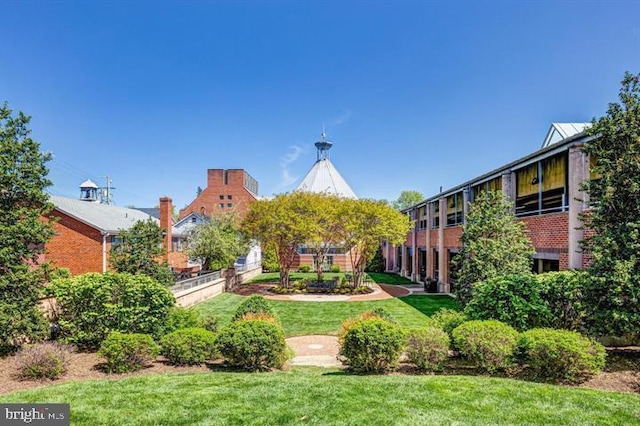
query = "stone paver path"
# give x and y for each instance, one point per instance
(321, 351)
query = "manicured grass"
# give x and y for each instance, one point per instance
(329, 397)
(301, 318)
(380, 278)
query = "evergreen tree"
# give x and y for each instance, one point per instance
(494, 244)
(613, 294)
(23, 233)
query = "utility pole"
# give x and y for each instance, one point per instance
(105, 192)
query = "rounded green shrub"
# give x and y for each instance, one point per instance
(428, 348)
(490, 344)
(447, 319)
(254, 304)
(561, 355)
(372, 345)
(335, 269)
(304, 268)
(125, 352)
(563, 294)
(92, 305)
(252, 344)
(513, 299)
(42, 361)
(189, 346)
(180, 318)
(209, 323)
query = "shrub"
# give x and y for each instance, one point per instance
(513, 299)
(126, 352)
(561, 355)
(304, 268)
(210, 323)
(376, 313)
(189, 346)
(335, 269)
(92, 305)
(252, 345)
(180, 318)
(563, 294)
(254, 304)
(42, 361)
(373, 345)
(259, 316)
(488, 344)
(447, 319)
(428, 348)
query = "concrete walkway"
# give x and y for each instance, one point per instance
(320, 351)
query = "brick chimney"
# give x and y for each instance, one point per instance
(166, 221)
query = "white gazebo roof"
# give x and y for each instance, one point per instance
(324, 177)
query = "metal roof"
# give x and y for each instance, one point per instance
(88, 184)
(561, 131)
(103, 217)
(324, 178)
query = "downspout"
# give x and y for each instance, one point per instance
(104, 251)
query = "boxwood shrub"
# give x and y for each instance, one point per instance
(180, 318)
(90, 306)
(428, 348)
(372, 345)
(254, 304)
(490, 344)
(189, 346)
(252, 344)
(561, 355)
(447, 320)
(125, 352)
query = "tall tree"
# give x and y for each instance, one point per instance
(613, 295)
(23, 204)
(283, 223)
(494, 243)
(407, 199)
(217, 243)
(366, 224)
(140, 251)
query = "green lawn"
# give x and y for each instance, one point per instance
(301, 318)
(316, 396)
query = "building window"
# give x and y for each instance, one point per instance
(221, 197)
(176, 244)
(229, 205)
(455, 214)
(540, 266)
(193, 219)
(435, 214)
(422, 217)
(484, 188)
(222, 205)
(229, 197)
(541, 187)
(116, 240)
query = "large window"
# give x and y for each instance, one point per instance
(455, 208)
(435, 214)
(422, 217)
(542, 186)
(484, 188)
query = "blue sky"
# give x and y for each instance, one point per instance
(413, 94)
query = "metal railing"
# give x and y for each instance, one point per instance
(195, 281)
(248, 267)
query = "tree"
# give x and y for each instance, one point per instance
(407, 199)
(217, 243)
(140, 250)
(494, 243)
(366, 225)
(23, 204)
(281, 222)
(613, 293)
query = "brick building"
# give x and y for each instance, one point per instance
(227, 190)
(545, 189)
(85, 232)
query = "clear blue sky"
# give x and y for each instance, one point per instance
(414, 94)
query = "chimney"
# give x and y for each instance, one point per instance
(166, 213)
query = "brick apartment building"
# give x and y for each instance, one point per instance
(545, 188)
(227, 190)
(85, 231)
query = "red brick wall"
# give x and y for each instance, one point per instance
(75, 245)
(452, 237)
(549, 232)
(209, 200)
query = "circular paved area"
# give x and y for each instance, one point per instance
(321, 351)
